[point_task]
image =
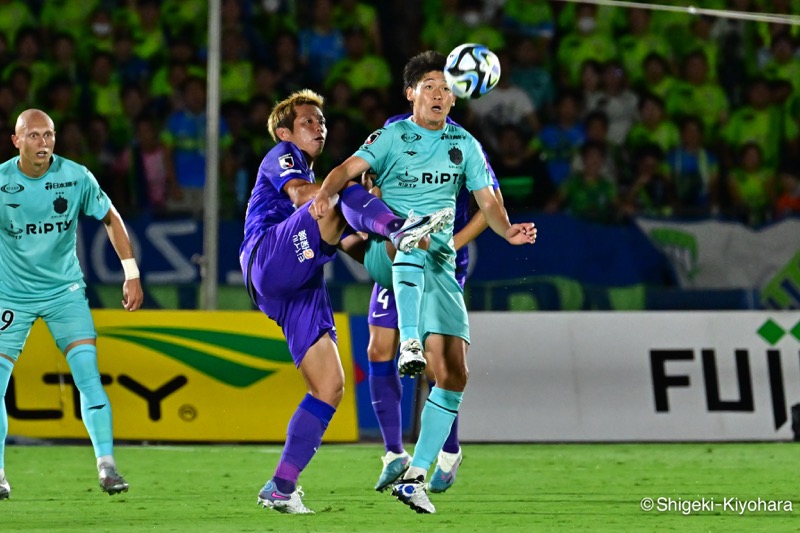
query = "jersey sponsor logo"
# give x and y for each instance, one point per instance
(64, 185)
(437, 178)
(13, 232)
(407, 181)
(60, 205)
(43, 228)
(373, 137)
(410, 137)
(286, 161)
(456, 156)
(448, 137)
(12, 188)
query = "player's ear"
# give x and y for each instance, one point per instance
(410, 94)
(282, 133)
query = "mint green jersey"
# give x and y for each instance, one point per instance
(423, 170)
(39, 219)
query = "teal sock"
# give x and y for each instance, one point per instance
(95, 408)
(6, 367)
(438, 414)
(408, 282)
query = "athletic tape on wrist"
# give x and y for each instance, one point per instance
(130, 268)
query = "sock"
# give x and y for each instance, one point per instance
(386, 391)
(95, 408)
(451, 444)
(438, 414)
(366, 212)
(106, 460)
(408, 283)
(6, 367)
(303, 437)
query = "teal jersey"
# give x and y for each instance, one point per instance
(39, 219)
(423, 170)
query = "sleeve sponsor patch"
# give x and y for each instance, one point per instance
(373, 137)
(286, 161)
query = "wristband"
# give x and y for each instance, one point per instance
(130, 268)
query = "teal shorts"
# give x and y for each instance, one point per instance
(443, 309)
(67, 317)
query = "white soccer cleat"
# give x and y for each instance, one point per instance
(271, 498)
(445, 474)
(412, 360)
(413, 493)
(110, 480)
(5, 489)
(416, 228)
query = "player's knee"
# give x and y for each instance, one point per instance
(379, 354)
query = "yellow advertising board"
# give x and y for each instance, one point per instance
(223, 376)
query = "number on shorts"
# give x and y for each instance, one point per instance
(7, 318)
(383, 298)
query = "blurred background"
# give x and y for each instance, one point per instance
(656, 151)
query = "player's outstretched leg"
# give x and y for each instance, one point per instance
(271, 498)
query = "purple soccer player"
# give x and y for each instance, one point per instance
(384, 337)
(282, 257)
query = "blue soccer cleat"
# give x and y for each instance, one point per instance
(445, 474)
(394, 466)
(271, 498)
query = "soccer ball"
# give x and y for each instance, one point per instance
(472, 70)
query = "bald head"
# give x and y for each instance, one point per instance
(31, 117)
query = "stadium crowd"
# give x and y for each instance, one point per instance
(603, 112)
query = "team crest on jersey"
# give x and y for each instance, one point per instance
(286, 161)
(456, 157)
(373, 137)
(60, 205)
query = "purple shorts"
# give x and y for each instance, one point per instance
(383, 307)
(287, 281)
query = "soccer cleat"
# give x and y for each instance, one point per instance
(110, 480)
(270, 497)
(445, 474)
(416, 228)
(411, 360)
(394, 466)
(5, 489)
(413, 493)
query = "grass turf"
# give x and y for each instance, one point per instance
(520, 487)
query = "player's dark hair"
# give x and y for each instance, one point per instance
(421, 64)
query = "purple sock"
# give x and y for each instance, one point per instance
(451, 445)
(386, 391)
(366, 212)
(303, 437)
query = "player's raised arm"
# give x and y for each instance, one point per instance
(497, 217)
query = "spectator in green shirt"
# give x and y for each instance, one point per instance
(760, 122)
(653, 127)
(529, 73)
(640, 42)
(14, 15)
(651, 192)
(588, 195)
(361, 69)
(751, 187)
(236, 68)
(783, 63)
(587, 42)
(656, 76)
(28, 50)
(698, 95)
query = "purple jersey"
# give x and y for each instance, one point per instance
(283, 255)
(269, 204)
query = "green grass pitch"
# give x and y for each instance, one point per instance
(516, 487)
